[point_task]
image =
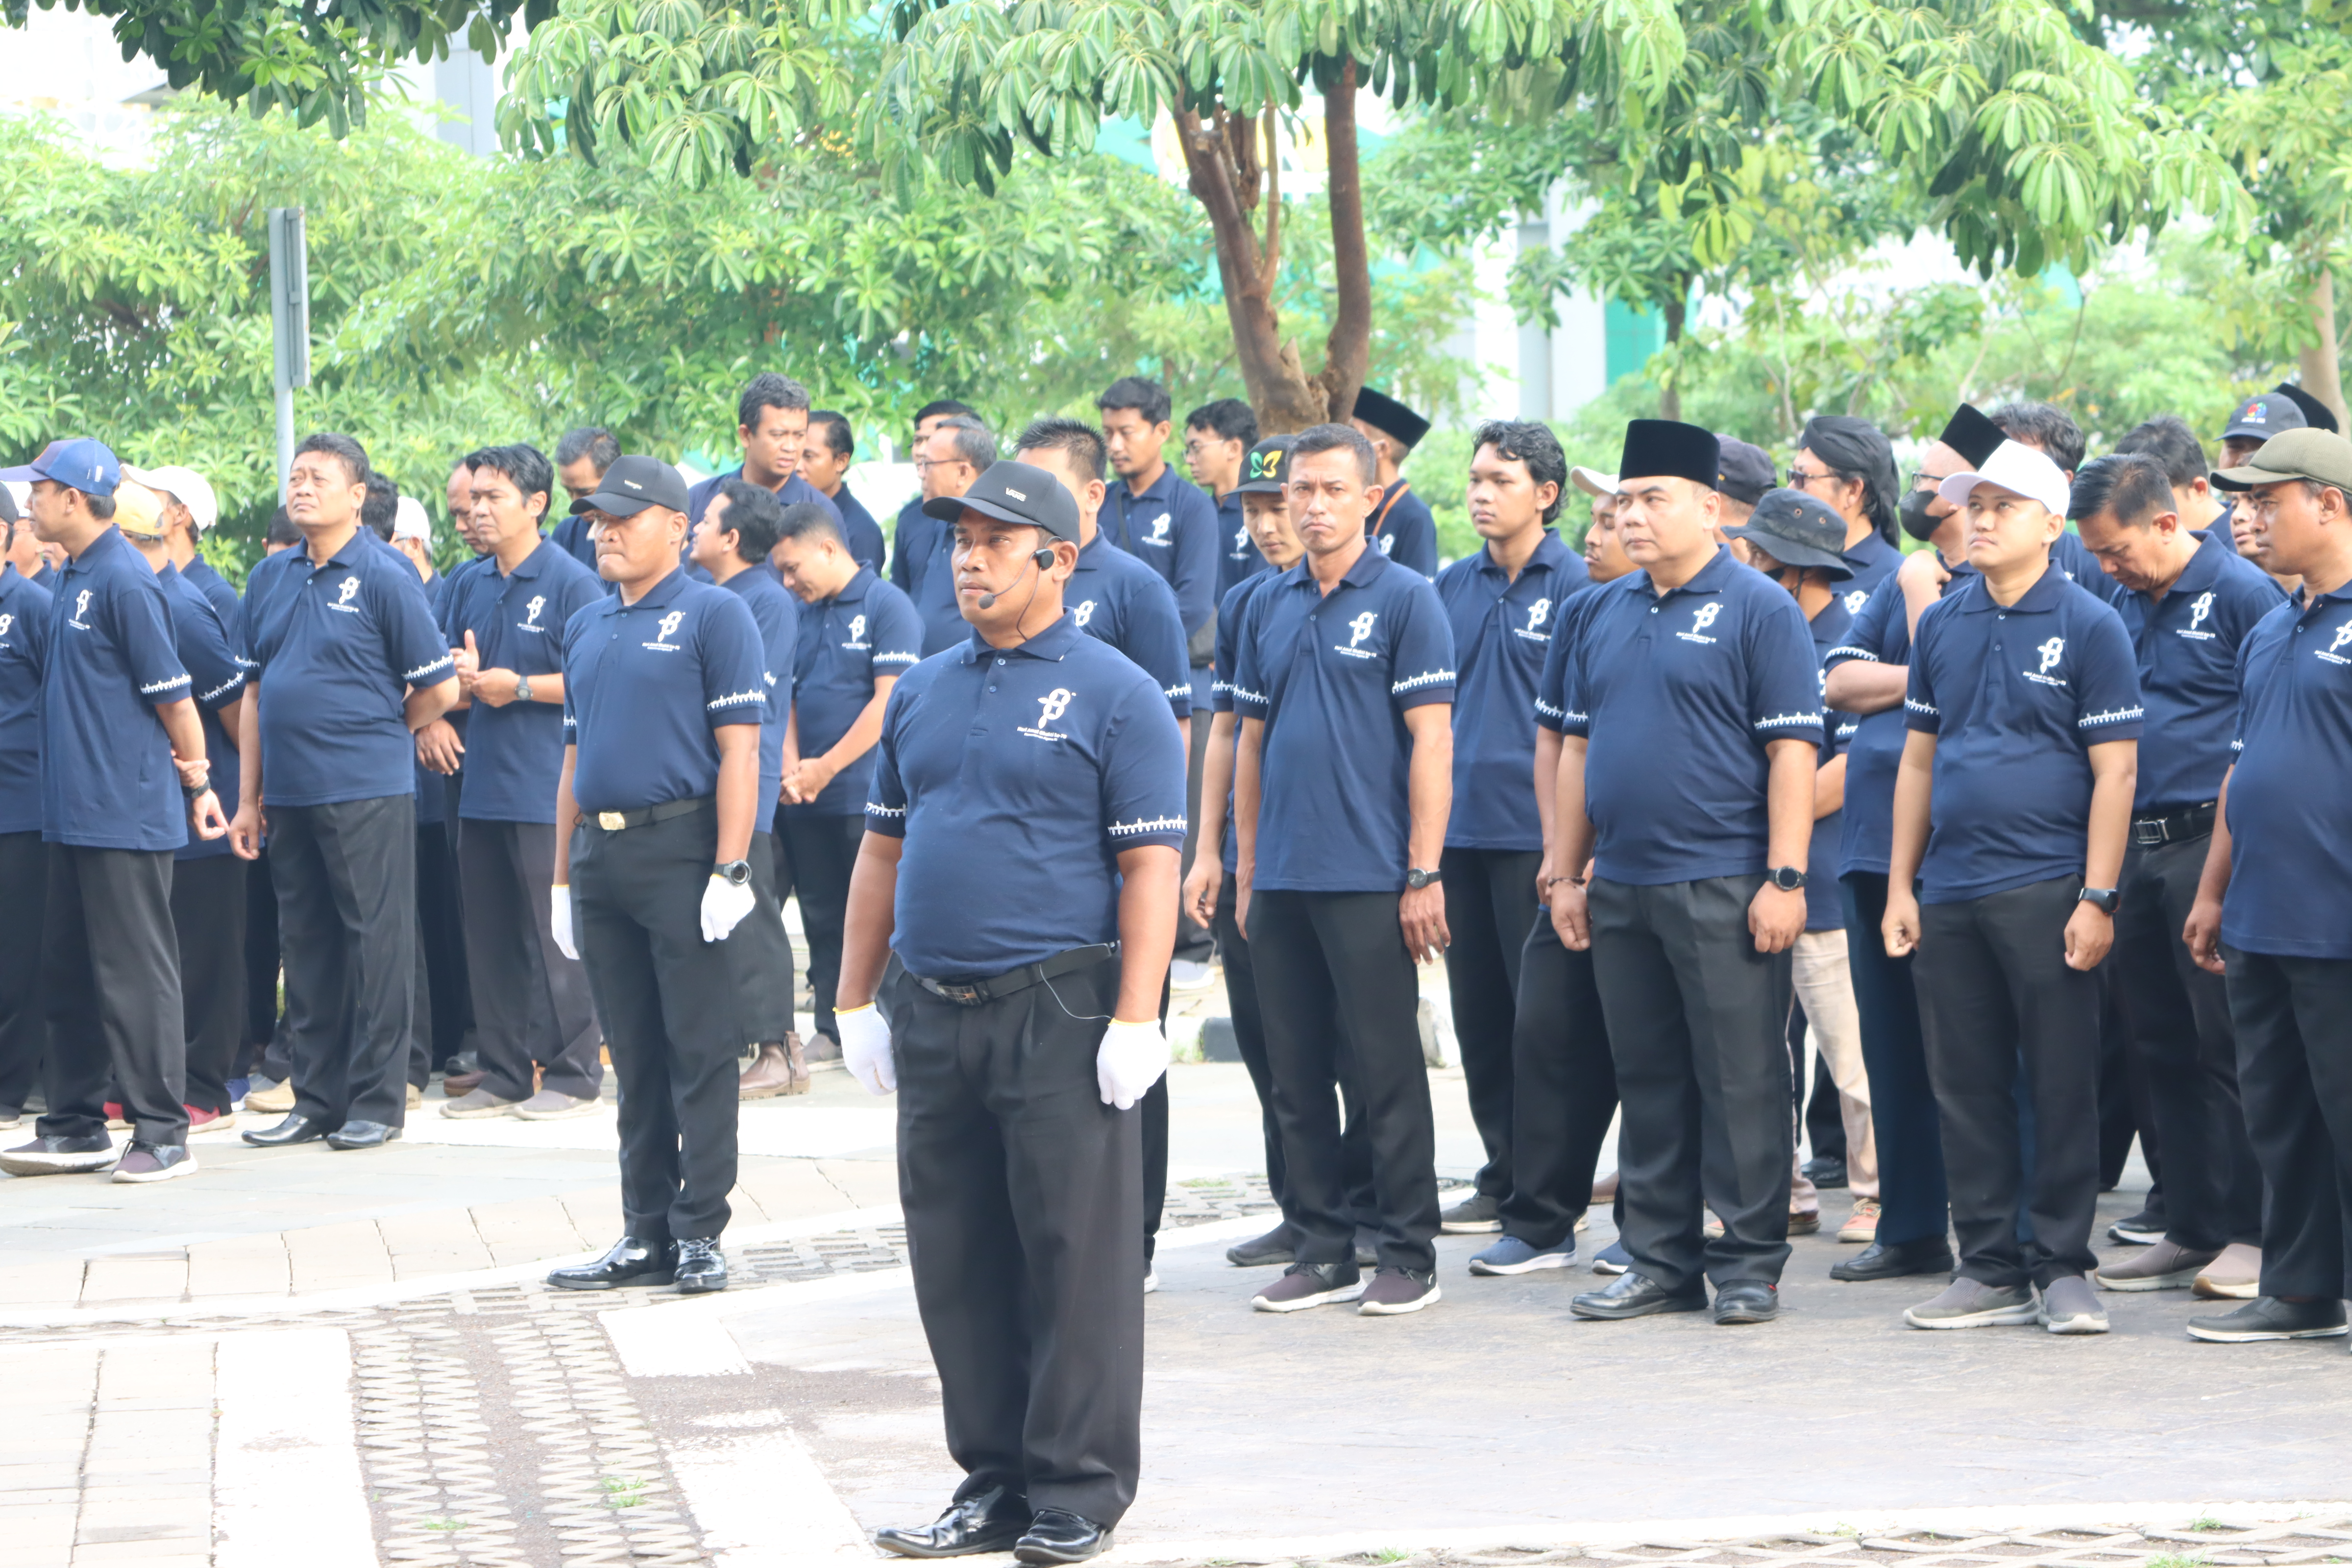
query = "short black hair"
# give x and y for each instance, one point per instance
(379, 505)
(2041, 424)
(2169, 439)
(753, 517)
(1530, 442)
(524, 464)
(2130, 486)
(1228, 418)
(1337, 438)
(1147, 398)
(839, 439)
(974, 442)
(938, 405)
(281, 530)
(102, 507)
(1083, 444)
(806, 519)
(593, 442)
(768, 390)
(1855, 449)
(353, 455)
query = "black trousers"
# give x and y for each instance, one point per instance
(1995, 991)
(1338, 996)
(530, 1003)
(1696, 1017)
(2293, 1023)
(671, 1015)
(208, 900)
(1023, 1200)
(1912, 1203)
(441, 941)
(1195, 942)
(2176, 1018)
(824, 852)
(346, 875)
(1563, 1089)
(759, 953)
(261, 961)
(1490, 902)
(24, 911)
(110, 984)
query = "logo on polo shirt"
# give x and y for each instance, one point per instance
(1083, 613)
(6, 622)
(2343, 635)
(2051, 652)
(82, 608)
(1159, 535)
(1537, 613)
(662, 633)
(345, 594)
(2199, 608)
(1050, 707)
(856, 642)
(1357, 630)
(1855, 599)
(1241, 542)
(1705, 619)
(530, 623)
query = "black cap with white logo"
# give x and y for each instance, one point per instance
(632, 484)
(1014, 492)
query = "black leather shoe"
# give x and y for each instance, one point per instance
(362, 1135)
(1056, 1535)
(631, 1262)
(296, 1129)
(1826, 1171)
(1279, 1244)
(1747, 1301)
(700, 1269)
(1893, 1260)
(1635, 1295)
(990, 1521)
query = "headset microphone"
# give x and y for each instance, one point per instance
(1039, 561)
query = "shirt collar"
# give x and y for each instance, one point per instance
(1711, 578)
(1090, 553)
(2204, 568)
(1549, 553)
(1053, 643)
(854, 591)
(101, 550)
(530, 565)
(1368, 565)
(1160, 488)
(660, 594)
(2047, 591)
(1870, 550)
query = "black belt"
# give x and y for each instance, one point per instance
(976, 992)
(2175, 827)
(645, 816)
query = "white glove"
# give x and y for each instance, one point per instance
(1131, 1061)
(866, 1047)
(558, 919)
(723, 906)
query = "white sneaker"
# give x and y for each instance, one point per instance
(1151, 1280)
(1190, 974)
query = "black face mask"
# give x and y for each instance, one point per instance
(1913, 514)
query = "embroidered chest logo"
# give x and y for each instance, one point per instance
(1855, 599)
(2329, 653)
(2200, 610)
(530, 622)
(1538, 613)
(856, 633)
(345, 594)
(2051, 652)
(6, 622)
(1083, 613)
(1050, 708)
(1706, 616)
(82, 608)
(1357, 630)
(1159, 535)
(1241, 542)
(664, 631)
(1388, 543)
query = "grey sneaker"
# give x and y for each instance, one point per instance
(1966, 1304)
(56, 1156)
(476, 1105)
(154, 1162)
(1512, 1256)
(547, 1105)
(1305, 1284)
(2070, 1306)
(1476, 1215)
(2269, 1318)
(2164, 1266)
(1394, 1291)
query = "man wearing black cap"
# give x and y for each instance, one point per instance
(663, 691)
(1017, 889)
(1744, 475)
(1402, 527)
(2273, 910)
(23, 863)
(1697, 888)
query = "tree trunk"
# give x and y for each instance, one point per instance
(2323, 375)
(1277, 385)
(1348, 352)
(1670, 397)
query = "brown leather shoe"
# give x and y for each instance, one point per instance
(458, 1085)
(778, 1070)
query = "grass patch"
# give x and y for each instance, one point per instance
(2208, 1523)
(443, 1524)
(624, 1491)
(2176, 1560)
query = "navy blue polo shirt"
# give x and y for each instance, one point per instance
(1823, 909)
(646, 684)
(792, 492)
(1872, 562)
(1171, 527)
(2290, 830)
(1873, 742)
(337, 648)
(1551, 686)
(44, 577)
(1502, 631)
(858, 529)
(217, 677)
(571, 537)
(2016, 697)
(107, 779)
(1237, 554)
(218, 594)
(1117, 599)
(1234, 612)
(514, 754)
(911, 545)
(2075, 558)
(934, 596)
(25, 608)
(432, 788)
(1017, 776)
(778, 615)
(2187, 644)
(1677, 696)
(1331, 677)
(865, 633)
(1405, 531)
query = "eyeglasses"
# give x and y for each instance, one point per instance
(924, 465)
(1921, 478)
(1798, 479)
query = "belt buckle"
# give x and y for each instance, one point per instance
(2152, 831)
(961, 995)
(611, 821)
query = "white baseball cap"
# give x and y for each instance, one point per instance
(409, 520)
(2017, 469)
(1593, 481)
(187, 487)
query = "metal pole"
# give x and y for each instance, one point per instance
(289, 324)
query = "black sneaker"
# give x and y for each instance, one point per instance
(1826, 1171)
(58, 1156)
(1398, 1290)
(1476, 1215)
(2269, 1318)
(1305, 1284)
(154, 1162)
(1279, 1244)
(2144, 1228)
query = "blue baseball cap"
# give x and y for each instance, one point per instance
(78, 463)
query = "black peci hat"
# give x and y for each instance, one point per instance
(1014, 492)
(1665, 446)
(1390, 417)
(1971, 435)
(2315, 414)
(1267, 468)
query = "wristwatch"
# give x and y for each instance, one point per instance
(737, 872)
(1787, 878)
(522, 687)
(192, 790)
(1416, 878)
(2103, 900)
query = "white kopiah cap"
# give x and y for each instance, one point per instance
(187, 487)
(2020, 469)
(409, 520)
